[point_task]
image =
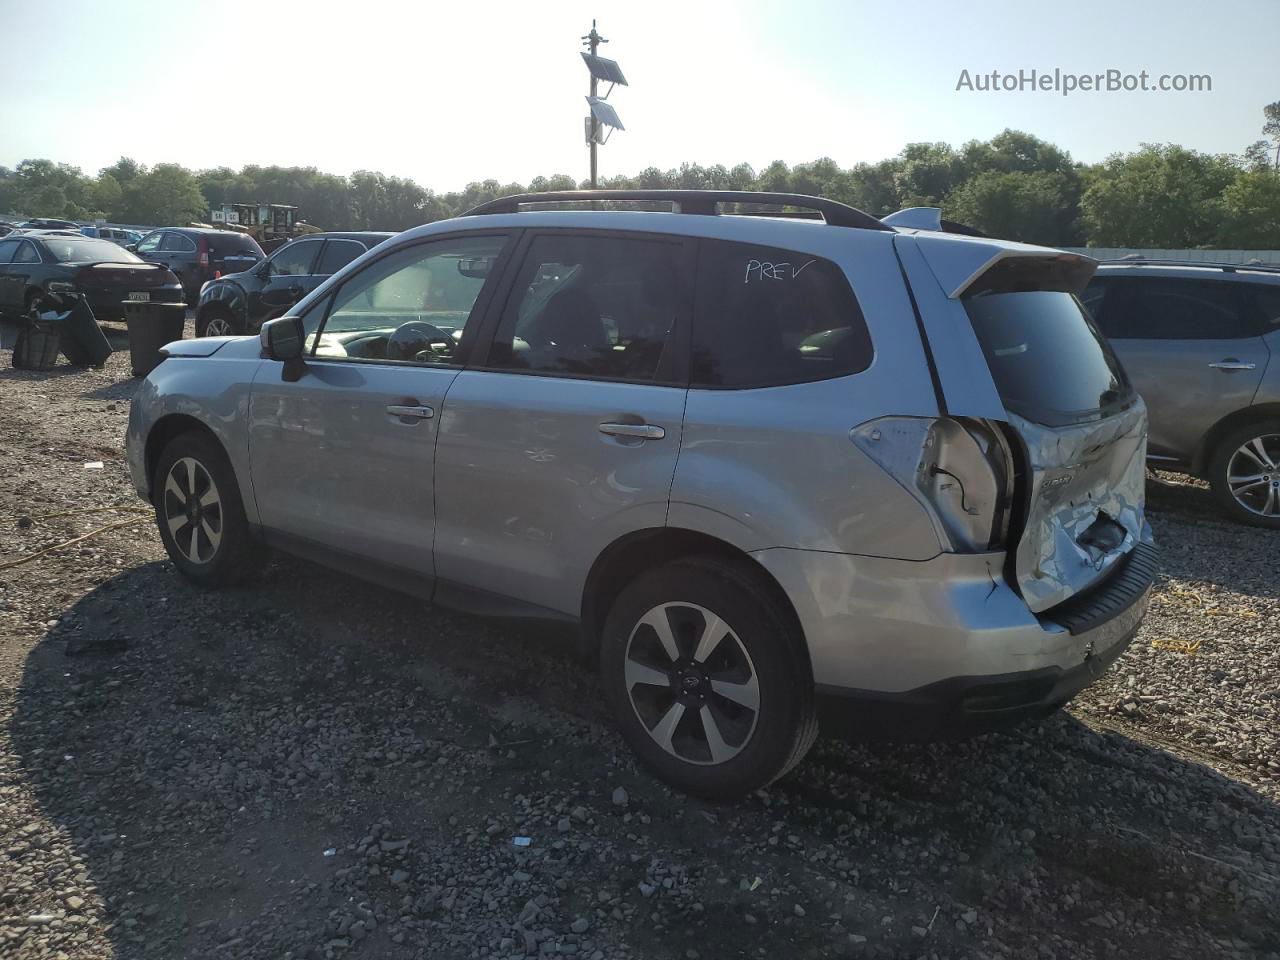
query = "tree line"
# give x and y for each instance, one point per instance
(1014, 185)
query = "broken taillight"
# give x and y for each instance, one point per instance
(959, 469)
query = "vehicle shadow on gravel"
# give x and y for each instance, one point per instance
(314, 768)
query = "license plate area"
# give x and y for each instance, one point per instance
(139, 296)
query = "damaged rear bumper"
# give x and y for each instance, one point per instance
(945, 648)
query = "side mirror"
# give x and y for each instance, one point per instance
(131, 247)
(263, 269)
(282, 339)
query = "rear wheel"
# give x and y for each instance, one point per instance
(1244, 472)
(706, 676)
(200, 515)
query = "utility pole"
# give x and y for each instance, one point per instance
(592, 42)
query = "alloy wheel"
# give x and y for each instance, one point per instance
(1253, 475)
(219, 327)
(691, 683)
(193, 510)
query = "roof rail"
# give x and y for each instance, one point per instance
(1206, 264)
(929, 218)
(691, 201)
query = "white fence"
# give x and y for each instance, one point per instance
(1269, 257)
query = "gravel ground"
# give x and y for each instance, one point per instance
(311, 767)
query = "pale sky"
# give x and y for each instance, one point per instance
(450, 92)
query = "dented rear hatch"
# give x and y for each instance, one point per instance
(1078, 425)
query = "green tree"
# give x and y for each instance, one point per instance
(1162, 196)
(1271, 128)
(1252, 212)
(1033, 207)
(167, 195)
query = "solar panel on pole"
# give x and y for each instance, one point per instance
(602, 68)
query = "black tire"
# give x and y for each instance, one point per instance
(1225, 463)
(236, 554)
(235, 324)
(768, 644)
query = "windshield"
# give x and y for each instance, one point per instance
(72, 250)
(1048, 360)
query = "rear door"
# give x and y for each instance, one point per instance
(10, 292)
(563, 435)
(23, 272)
(1192, 348)
(341, 458)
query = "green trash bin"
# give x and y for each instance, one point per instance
(151, 326)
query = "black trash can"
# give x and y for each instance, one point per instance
(151, 326)
(82, 340)
(37, 346)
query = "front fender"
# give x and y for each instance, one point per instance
(211, 391)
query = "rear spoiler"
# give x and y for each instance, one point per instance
(975, 266)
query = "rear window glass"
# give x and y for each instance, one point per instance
(71, 250)
(768, 317)
(1049, 362)
(229, 243)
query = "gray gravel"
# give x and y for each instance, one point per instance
(312, 767)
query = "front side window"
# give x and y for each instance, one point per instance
(150, 243)
(594, 306)
(768, 317)
(411, 306)
(337, 254)
(295, 259)
(7, 250)
(1160, 309)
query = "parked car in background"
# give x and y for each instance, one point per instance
(1199, 342)
(239, 303)
(47, 223)
(7, 228)
(197, 255)
(760, 462)
(117, 235)
(33, 265)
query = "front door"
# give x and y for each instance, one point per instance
(342, 458)
(290, 276)
(564, 434)
(1192, 350)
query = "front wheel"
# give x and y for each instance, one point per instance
(200, 515)
(707, 678)
(1244, 472)
(219, 324)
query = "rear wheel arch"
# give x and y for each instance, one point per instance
(1260, 412)
(636, 553)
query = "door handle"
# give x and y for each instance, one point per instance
(639, 431)
(408, 412)
(1232, 364)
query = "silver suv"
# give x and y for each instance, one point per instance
(771, 466)
(1198, 341)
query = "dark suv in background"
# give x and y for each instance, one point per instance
(1198, 342)
(197, 255)
(239, 303)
